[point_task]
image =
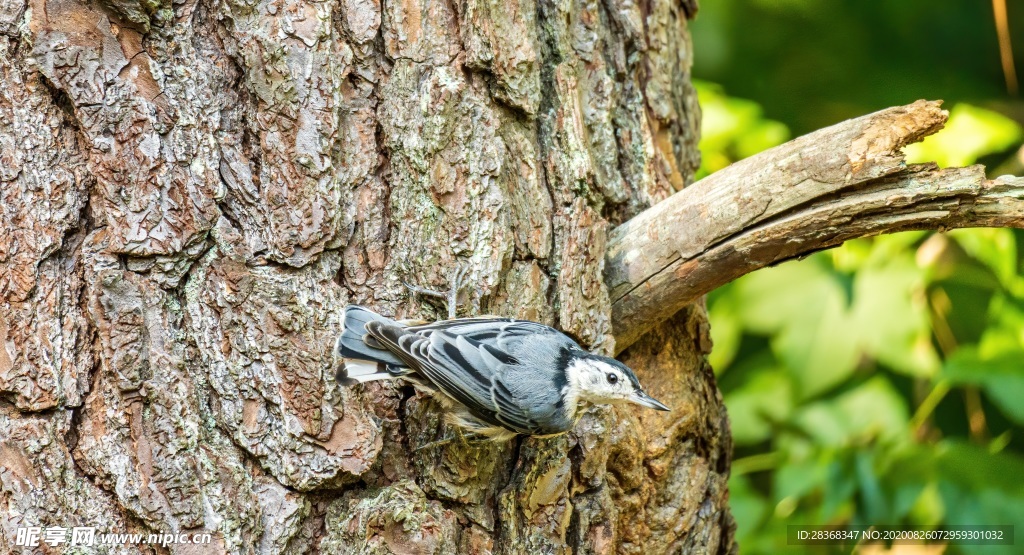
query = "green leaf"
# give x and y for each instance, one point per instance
(1001, 378)
(1005, 332)
(973, 468)
(928, 508)
(908, 478)
(994, 247)
(874, 502)
(748, 507)
(767, 298)
(980, 508)
(981, 488)
(872, 410)
(726, 331)
(805, 307)
(903, 245)
(732, 128)
(970, 133)
(763, 135)
(797, 478)
(838, 498)
(891, 316)
(766, 398)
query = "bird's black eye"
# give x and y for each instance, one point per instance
(613, 378)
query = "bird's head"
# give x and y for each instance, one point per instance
(599, 379)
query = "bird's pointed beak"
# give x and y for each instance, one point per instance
(644, 400)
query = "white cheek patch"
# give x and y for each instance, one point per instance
(591, 379)
(586, 380)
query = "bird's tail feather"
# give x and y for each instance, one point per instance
(352, 343)
(353, 371)
(360, 360)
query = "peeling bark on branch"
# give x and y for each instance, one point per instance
(812, 193)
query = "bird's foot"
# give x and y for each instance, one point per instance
(451, 298)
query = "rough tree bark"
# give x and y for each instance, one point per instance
(193, 189)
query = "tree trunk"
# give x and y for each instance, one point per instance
(193, 190)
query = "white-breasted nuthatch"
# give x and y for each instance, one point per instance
(497, 377)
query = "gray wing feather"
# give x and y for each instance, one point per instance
(475, 369)
(468, 370)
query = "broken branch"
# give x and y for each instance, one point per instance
(812, 193)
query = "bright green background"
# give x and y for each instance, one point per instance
(881, 382)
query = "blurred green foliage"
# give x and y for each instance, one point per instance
(881, 382)
(811, 63)
(732, 129)
(970, 133)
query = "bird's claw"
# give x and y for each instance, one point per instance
(452, 296)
